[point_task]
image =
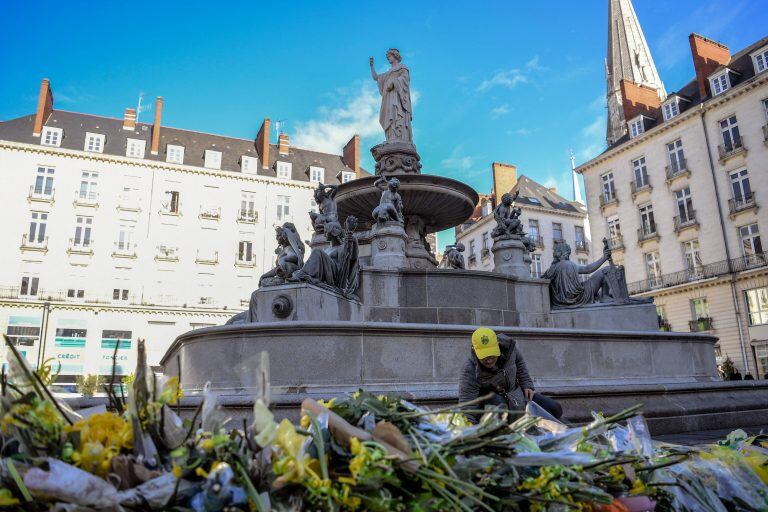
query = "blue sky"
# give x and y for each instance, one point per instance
(518, 82)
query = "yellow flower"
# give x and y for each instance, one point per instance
(638, 487)
(305, 422)
(207, 445)
(327, 404)
(177, 470)
(102, 436)
(201, 472)
(292, 464)
(94, 458)
(7, 499)
(171, 392)
(264, 424)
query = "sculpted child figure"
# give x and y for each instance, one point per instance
(391, 204)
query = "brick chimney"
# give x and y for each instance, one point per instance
(504, 179)
(707, 56)
(283, 144)
(553, 190)
(351, 154)
(44, 107)
(262, 143)
(129, 119)
(639, 99)
(156, 126)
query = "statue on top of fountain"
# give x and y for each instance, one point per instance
(396, 111)
(326, 204)
(390, 208)
(290, 256)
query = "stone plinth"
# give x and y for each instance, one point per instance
(625, 317)
(510, 257)
(303, 302)
(393, 158)
(388, 242)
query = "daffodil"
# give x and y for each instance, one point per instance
(102, 436)
(292, 464)
(177, 470)
(94, 458)
(638, 487)
(7, 499)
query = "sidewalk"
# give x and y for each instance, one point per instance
(705, 436)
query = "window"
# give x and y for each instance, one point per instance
(487, 208)
(761, 60)
(536, 265)
(636, 128)
(699, 308)
(245, 252)
(74, 293)
(750, 240)
(757, 305)
(83, 227)
(653, 268)
(765, 108)
(135, 148)
(29, 285)
(109, 339)
(249, 164)
(641, 172)
(557, 231)
(44, 181)
(486, 240)
(671, 109)
(684, 205)
(614, 228)
(37, 227)
(212, 159)
(24, 330)
(51, 136)
(284, 170)
(174, 154)
(124, 237)
(94, 142)
(676, 156)
(120, 294)
(609, 189)
(171, 201)
(742, 191)
(283, 207)
(720, 83)
(579, 235)
(247, 207)
(316, 174)
(692, 256)
(88, 186)
(647, 222)
(533, 229)
(347, 176)
(472, 251)
(729, 128)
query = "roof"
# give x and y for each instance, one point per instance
(75, 126)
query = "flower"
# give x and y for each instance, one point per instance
(292, 465)
(264, 424)
(94, 458)
(102, 436)
(7, 499)
(177, 471)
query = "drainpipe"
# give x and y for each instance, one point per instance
(734, 294)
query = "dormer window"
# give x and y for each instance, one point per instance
(347, 176)
(212, 159)
(134, 148)
(760, 58)
(636, 127)
(94, 142)
(720, 82)
(174, 154)
(248, 164)
(284, 170)
(671, 109)
(51, 136)
(316, 174)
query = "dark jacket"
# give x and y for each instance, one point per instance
(508, 377)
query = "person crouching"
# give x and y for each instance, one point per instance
(495, 365)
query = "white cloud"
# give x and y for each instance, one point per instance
(499, 111)
(595, 128)
(458, 160)
(598, 103)
(533, 64)
(520, 131)
(593, 140)
(508, 78)
(590, 151)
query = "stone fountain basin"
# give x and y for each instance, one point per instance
(441, 202)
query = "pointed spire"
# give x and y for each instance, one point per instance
(629, 58)
(576, 188)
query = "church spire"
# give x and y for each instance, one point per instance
(629, 58)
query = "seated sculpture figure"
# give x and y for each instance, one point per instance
(325, 197)
(508, 223)
(390, 206)
(290, 256)
(334, 267)
(452, 257)
(606, 285)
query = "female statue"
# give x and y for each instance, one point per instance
(326, 203)
(290, 255)
(396, 113)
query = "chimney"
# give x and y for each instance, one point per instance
(282, 144)
(156, 126)
(504, 179)
(262, 143)
(44, 107)
(351, 154)
(129, 119)
(553, 190)
(639, 99)
(707, 56)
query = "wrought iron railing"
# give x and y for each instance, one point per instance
(647, 232)
(606, 199)
(685, 221)
(737, 204)
(639, 187)
(581, 246)
(616, 242)
(728, 150)
(676, 169)
(700, 324)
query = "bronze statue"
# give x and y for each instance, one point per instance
(391, 204)
(326, 204)
(507, 216)
(396, 113)
(452, 257)
(290, 255)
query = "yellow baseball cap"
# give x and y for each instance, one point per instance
(485, 343)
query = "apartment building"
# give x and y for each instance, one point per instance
(679, 192)
(547, 218)
(119, 230)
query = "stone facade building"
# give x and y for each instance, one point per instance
(115, 229)
(547, 217)
(680, 195)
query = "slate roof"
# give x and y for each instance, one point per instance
(741, 63)
(75, 125)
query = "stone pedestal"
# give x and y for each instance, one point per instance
(388, 243)
(300, 302)
(318, 241)
(396, 158)
(510, 257)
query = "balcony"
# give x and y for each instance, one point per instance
(240, 261)
(616, 243)
(485, 253)
(741, 204)
(41, 197)
(165, 253)
(727, 151)
(538, 241)
(124, 250)
(210, 213)
(639, 188)
(472, 259)
(765, 134)
(701, 324)
(87, 200)
(33, 244)
(207, 259)
(127, 203)
(80, 247)
(677, 170)
(247, 217)
(647, 233)
(664, 325)
(582, 246)
(685, 222)
(608, 199)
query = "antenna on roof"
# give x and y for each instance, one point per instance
(141, 108)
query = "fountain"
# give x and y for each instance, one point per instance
(368, 308)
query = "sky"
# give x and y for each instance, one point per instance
(509, 81)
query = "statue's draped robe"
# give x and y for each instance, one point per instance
(333, 267)
(566, 289)
(396, 113)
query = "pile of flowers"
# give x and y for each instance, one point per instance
(362, 452)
